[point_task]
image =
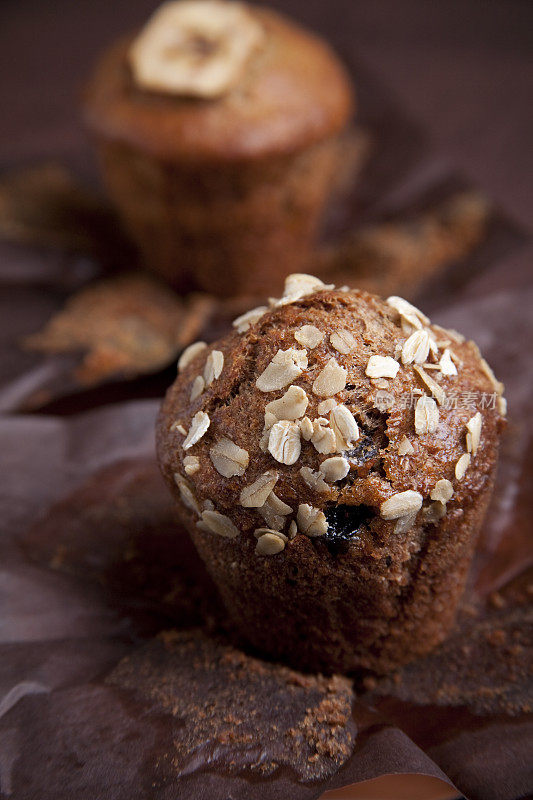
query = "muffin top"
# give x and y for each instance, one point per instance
(329, 411)
(211, 79)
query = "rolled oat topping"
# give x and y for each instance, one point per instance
(255, 495)
(228, 458)
(345, 428)
(269, 543)
(311, 521)
(326, 406)
(405, 447)
(260, 531)
(291, 406)
(245, 321)
(416, 348)
(213, 366)
(219, 523)
(426, 415)
(462, 466)
(442, 491)
(323, 438)
(189, 353)
(314, 480)
(274, 512)
(447, 367)
(308, 336)
(199, 425)
(191, 464)
(198, 385)
(487, 369)
(299, 285)
(401, 504)
(382, 367)
(186, 494)
(343, 341)
(473, 435)
(282, 370)
(335, 469)
(284, 442)
(306, 429)
(331, 380)
(277, 505)
(437, 391)
(412, 315)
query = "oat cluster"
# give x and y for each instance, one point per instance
(425, 351)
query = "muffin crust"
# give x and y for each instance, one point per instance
(294, 94)
(370, 503)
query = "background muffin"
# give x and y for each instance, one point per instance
(333, 459)
(217, 130)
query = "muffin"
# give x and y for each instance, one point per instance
(332, 459)
(218, 130)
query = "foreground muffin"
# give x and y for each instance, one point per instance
(217, 127)
(332, 460)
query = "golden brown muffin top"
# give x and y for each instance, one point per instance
(329, 399)
(293, 92)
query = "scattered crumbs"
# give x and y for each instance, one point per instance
(299, 721)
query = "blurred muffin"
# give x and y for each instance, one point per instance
(217, 128)
(332, 460)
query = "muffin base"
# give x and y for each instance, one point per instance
(234, 228)
(321, 612)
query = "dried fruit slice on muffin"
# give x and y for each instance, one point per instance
(198, 48)
(342, 471)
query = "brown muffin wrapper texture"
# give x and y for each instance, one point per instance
(233, 228)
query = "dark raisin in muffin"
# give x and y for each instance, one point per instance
(332, 460)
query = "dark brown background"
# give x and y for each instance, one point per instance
(463, 68)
